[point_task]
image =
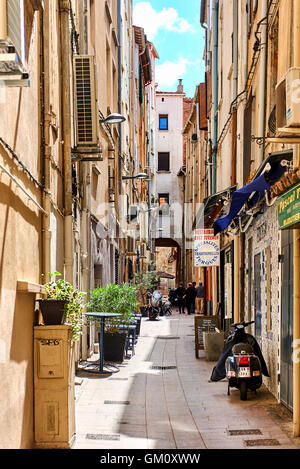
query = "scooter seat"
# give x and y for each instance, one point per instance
(242, 348)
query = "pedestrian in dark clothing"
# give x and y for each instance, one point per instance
(200, 298)
(194, 300)
(189, 297)
(180, 292)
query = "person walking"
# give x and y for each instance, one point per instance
(179, 293)
(194, 299)
(200, 298)
(189, 297)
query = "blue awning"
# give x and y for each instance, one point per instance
(257, 187)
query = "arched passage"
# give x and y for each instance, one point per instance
(173, 254)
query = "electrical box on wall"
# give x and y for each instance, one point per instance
(54, 376)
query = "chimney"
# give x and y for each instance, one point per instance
(180, 86)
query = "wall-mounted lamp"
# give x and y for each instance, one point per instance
(113, 119)
(138, 176)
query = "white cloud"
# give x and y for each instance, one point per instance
(151, 20)
(168, 73)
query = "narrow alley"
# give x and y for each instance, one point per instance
(162, 399)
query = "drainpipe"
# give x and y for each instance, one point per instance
(120, 152)
(120, 95)
(237, 253)
(215, 91)
(262, 80)
(235, 89)
(45, 139)
(66, 117)
(296, 233)
(207, 156)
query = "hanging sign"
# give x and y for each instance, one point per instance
(289, 209)
(206, 249)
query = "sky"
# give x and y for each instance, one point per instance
(173, 26)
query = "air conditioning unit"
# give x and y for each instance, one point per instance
(111, 183)
(194, 138)
(288, 100)
(86, 113)
(130, 245)
(148, 171)
(133, 214)
(142, 251)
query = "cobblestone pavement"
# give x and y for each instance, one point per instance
(145, 407)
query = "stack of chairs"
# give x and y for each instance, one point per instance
(133, 331)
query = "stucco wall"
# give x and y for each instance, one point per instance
(171, 141)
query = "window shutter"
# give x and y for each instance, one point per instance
(85, 101)
(163, 162)
(15, 26)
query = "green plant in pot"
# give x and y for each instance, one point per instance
(63, 305)
(145, 282)
(119, 299)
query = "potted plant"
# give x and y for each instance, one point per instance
(145, 282)
(120, 299)
(63, 305)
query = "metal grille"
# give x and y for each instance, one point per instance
(262, 442)
(272, 121)
(85, 100)
(117, 402)
(100, 436)
(155, 367)
(244, 432)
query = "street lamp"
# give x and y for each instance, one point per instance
(138, 176)
(113, 119)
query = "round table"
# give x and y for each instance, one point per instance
(102, 317)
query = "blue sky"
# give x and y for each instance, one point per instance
(173, 26)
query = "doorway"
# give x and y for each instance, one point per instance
(286, 352)
(257, 297)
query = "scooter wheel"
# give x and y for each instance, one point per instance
(243, 391)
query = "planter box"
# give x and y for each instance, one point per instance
(213, 345)
(53, 311)
(114, 347)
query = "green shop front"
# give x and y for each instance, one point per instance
(289, 220)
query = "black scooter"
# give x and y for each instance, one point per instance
(241, 362)
(172, 298)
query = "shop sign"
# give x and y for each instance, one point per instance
(289, 209)
(206, 248)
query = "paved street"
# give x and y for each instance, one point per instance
(177, 408)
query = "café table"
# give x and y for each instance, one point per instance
(102, 317)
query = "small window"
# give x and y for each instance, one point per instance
(163, 162)
(163, 204)
(163, 122)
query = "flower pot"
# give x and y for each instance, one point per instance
(114, 346)
(213, 345)
(53, 311)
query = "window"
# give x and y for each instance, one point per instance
(163, 162)
(164, 204)
(163, 122)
